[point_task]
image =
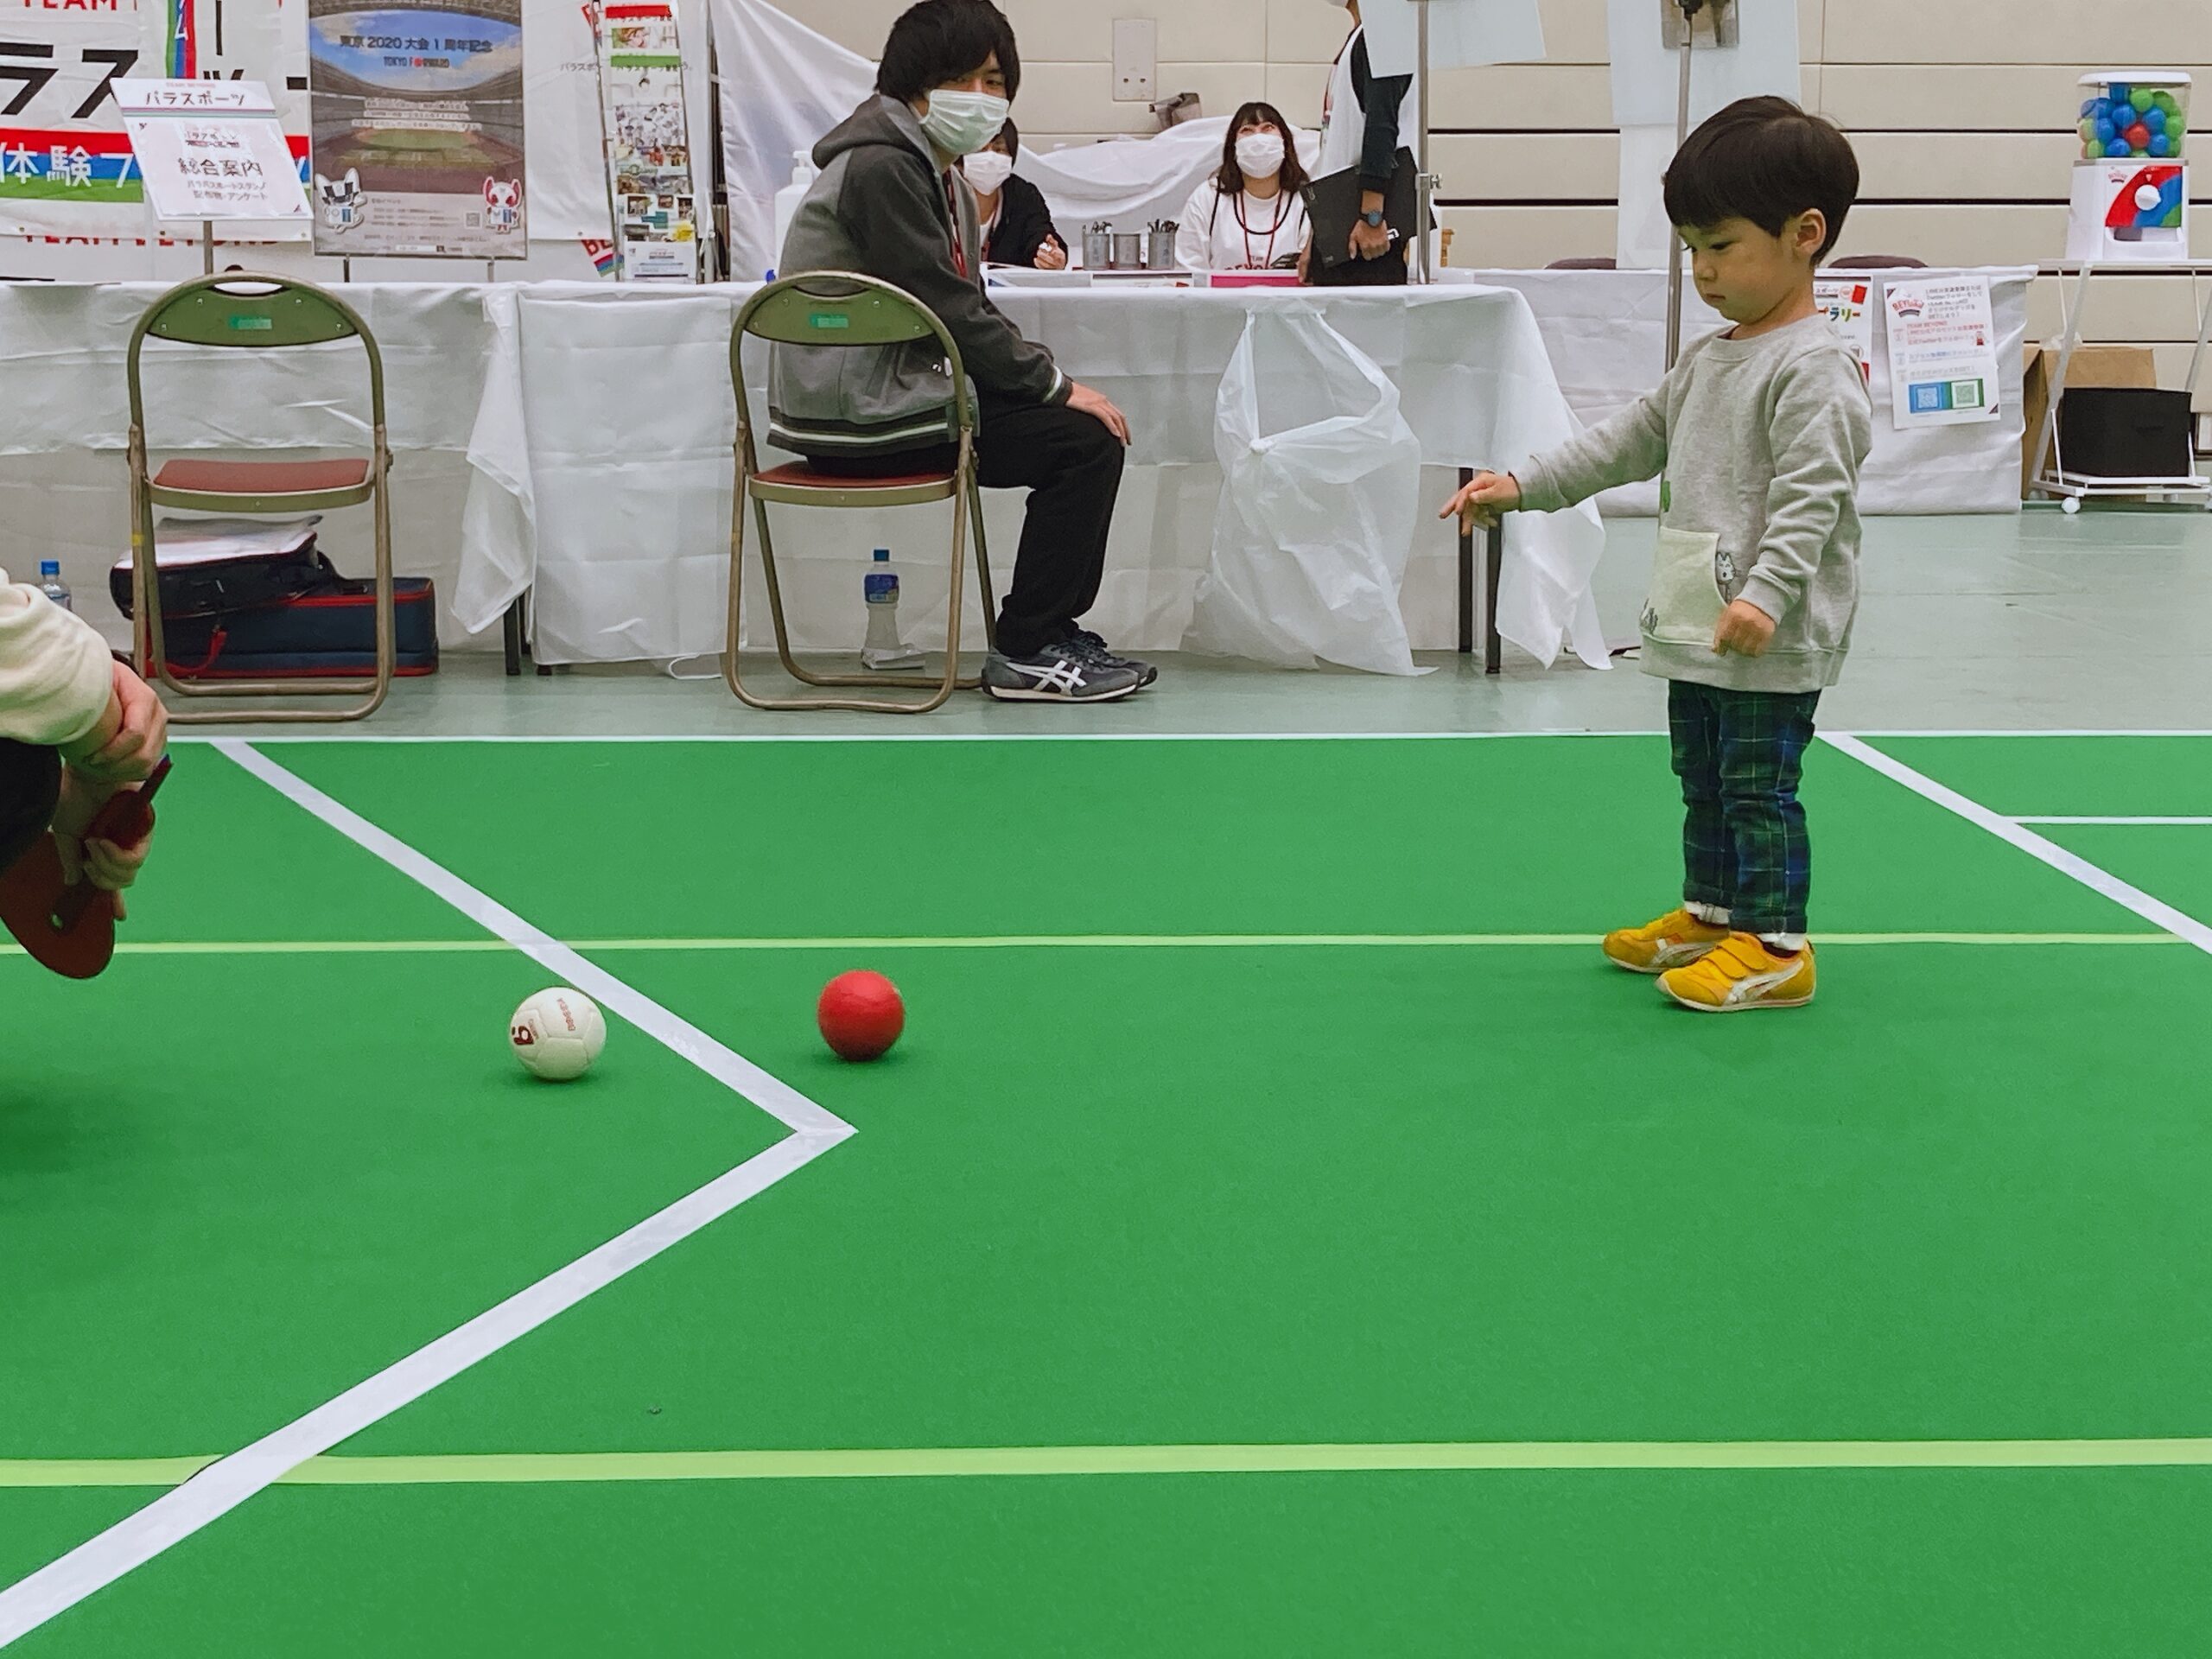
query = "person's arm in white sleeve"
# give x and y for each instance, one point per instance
(1194, 235)
(57, 676)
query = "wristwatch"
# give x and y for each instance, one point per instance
(1373, 218)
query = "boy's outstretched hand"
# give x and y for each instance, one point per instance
(1745, 629)
(1483, 503)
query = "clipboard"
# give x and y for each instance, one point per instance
(1332, 208)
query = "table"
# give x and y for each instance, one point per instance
(1481, 373)
(1606, 331)
(2048, 472)
(604, 469)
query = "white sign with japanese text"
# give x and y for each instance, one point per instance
(210, 149)
(1944, 366)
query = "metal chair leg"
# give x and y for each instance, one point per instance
(941, 687)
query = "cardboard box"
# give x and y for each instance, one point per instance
(2093, 365)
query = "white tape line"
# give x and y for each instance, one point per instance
(213, 1493)
(771, 1094)
(2123, 823)
(906, 735)
(2097, 880)
(224, 1486)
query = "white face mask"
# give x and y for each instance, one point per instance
(1259, 155)
(960, 124)
(987, 171)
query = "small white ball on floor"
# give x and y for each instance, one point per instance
(557, 1033)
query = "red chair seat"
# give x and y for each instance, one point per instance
(799, 475)
(262, 477)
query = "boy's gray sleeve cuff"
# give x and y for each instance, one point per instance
(1539, 491)
(1769, 595)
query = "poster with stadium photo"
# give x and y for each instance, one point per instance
(418, 114)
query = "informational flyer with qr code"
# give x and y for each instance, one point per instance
(1849, 305)
(1942, 351)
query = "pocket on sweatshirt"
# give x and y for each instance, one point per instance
(1684, 605)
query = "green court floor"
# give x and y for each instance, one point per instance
(1279, 1231)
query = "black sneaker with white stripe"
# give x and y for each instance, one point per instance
(1060, 673)
(1096, 650)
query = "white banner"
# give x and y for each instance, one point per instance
(66, 167)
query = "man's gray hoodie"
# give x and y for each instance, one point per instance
(881, 206)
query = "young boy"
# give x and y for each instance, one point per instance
(75, 727)
(1758, 434)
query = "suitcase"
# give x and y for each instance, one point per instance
(210, 586)
(329, 633)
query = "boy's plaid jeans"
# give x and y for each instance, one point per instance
(1740, 755)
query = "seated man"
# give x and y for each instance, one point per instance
(75, 727)
(889, 203)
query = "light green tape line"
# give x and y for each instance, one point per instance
(1009, 1462)
(100, 1471)
(1066, 941)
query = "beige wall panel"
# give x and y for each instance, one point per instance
(1525, 237)
(1514, 167)
(1966, 166)
(1916, 98)
(2163, 31)
(1079, 97)
(1191, 31)
(1297, 89)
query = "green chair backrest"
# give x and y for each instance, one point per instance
(836, 308)
(252, 315)
(252, 311)
(833, 312)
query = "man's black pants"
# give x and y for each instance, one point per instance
(30, 787)
(1073, 466)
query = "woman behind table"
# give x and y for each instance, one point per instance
(1249, 216)
(1017, 225)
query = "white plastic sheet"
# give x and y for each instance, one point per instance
(783, 87)
(1321, 482)
(1132, 181)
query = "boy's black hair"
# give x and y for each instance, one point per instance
(1766, 160)
(940, 41)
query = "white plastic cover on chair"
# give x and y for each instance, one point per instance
(1322, 482)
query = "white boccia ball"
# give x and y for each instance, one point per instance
(557, 1034)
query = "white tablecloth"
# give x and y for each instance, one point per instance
(1606, 331)
(1483, 378)
(604, 469)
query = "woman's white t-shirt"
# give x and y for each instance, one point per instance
(1237, 232)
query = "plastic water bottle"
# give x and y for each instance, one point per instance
(50, 584)
(804, 173)
(883, 649)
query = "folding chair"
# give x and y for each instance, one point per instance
(834, 309)
(255, 313)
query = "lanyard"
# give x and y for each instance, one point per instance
(1282, 217)
(952, 218)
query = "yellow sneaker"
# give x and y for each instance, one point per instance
(1676, 940)
(1740, 974)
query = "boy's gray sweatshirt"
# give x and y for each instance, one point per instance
(1760, 442)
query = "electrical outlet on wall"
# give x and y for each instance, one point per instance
(1136, 59)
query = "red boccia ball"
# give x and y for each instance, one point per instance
(861, 1015)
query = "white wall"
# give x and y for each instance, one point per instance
(1962, 110)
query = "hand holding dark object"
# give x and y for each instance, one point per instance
(1371, 241)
